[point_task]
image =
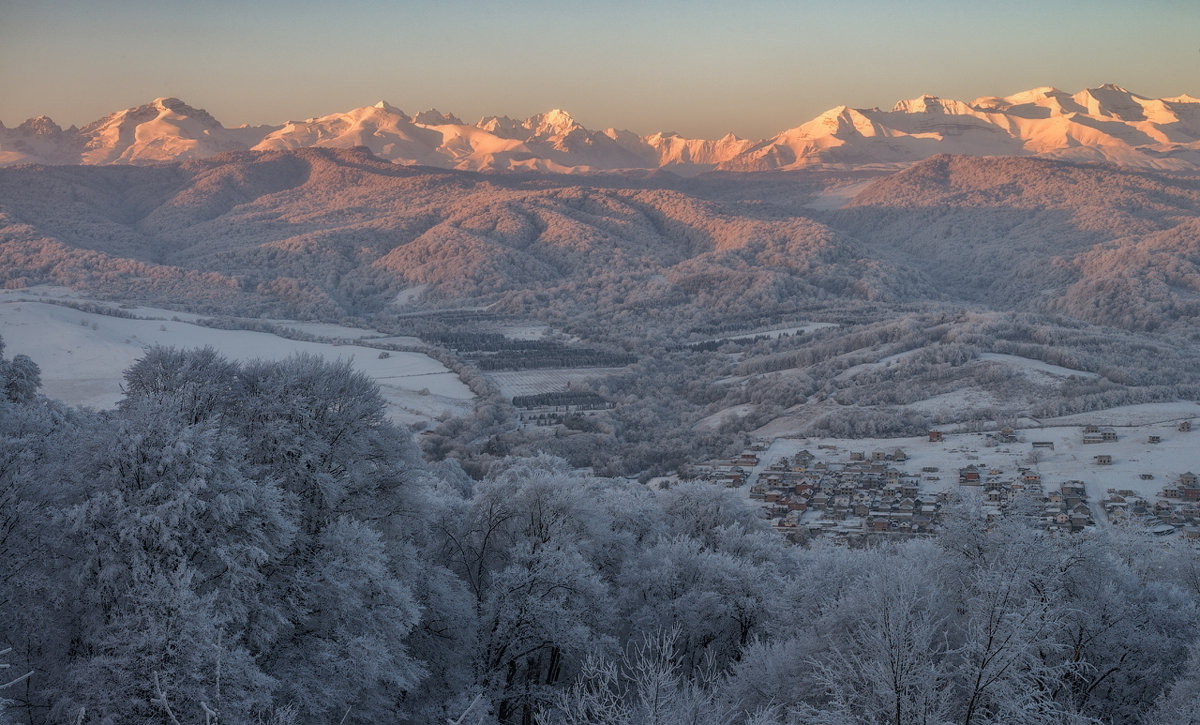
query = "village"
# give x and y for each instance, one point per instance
(858, 491)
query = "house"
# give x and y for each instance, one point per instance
(968, 476)
(1154, 439)
(898, 455)
(1044, 444)
(1189, 490)
(935, 436)
(1104, 460)
(1108, 435)
(1074, 488)
(1185, 426)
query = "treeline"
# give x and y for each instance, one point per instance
(565, 397)
(552, 357)
(255, 543)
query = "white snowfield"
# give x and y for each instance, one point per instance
(1106, 123)
(1132, 454)
(82, 355)
(550, 380)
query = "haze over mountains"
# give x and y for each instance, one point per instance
(1105, 124)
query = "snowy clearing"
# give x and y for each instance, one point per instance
(777, 332)
(837, 196)
(532, 382)
(1035, 368)
(717, 419)
(82, 356)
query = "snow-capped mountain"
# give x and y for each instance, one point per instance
(1107, 123)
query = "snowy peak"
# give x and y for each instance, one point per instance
(1106, 123)
(555, 122)
(1111, 101)
(389, 108)
(434, 117)
(40, 126)
(932, 104)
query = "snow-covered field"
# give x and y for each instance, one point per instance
(532, 382)
(715, 420)
(1132, 454)
(82, 355)
(528, 331)
(777, 332)
(837, 197)
(1035, 368)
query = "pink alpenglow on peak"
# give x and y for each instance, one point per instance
(1107, 124)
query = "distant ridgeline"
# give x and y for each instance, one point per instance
(1106, 123)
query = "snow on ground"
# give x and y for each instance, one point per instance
(838, 196)
(397, 340)
(715, 420)
(83, 355)
(972, 398)
(408, 296)
(528, 331)
(328, 330)
(1070, 459)
(777, 332)
(884, 362)
(1132, 415)
(1036, 368)
(532, 382)
(316, 329)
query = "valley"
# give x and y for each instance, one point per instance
(491, 434)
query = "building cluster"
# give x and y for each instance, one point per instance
(856, 497)
(1064, 509)
(1176, 510)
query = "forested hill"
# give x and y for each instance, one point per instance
(333, 233)
(1110, 245)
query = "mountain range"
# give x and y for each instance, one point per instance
(1102, 124)
(339, 233)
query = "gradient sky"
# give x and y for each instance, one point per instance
(701, 68)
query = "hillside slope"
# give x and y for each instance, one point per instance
(324, 232)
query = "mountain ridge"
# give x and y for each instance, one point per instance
(326, 233)
(1105, 124)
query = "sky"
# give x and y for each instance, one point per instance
(701, 68)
